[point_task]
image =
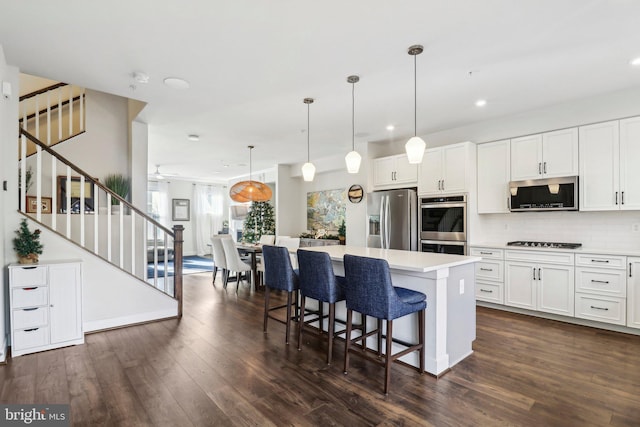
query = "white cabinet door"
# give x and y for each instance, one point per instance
(555, 289)
(599, 167)
(520, 285)
(633, 293)
(454, 168)
(383, 169)
(493, 177)
(405, 172)
(65, 302)
(630, 164)
(430, 176)
(526, 157)
(560, 153)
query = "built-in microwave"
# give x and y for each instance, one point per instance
(553, 194)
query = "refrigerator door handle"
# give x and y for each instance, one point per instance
(387, 225)
(382, 221)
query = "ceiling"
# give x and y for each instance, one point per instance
(251, 63)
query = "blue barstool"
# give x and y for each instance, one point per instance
(369, 291)
(318, 281)
(278, 274)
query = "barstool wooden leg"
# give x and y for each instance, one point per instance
(421, 317)
(303, 299)
(288, 328)
(266, 308)
(215, 271)
(331, 327)
(387, 357)
(347, 340)
(379, 337)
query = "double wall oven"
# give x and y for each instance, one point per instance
(443, 224)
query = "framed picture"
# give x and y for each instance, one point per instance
(74, 190)
(355, 193)
(32, 204)
(180, 210)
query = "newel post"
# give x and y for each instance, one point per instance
(177, 264)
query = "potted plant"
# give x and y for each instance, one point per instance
(27, 245)
(342, 233)
(119, 184)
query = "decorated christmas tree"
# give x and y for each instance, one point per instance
(260, 220)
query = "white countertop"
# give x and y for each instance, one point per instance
(422, 262)
(581, 250)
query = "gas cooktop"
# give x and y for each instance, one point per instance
(552, 245)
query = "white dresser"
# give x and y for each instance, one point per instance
(45, 306)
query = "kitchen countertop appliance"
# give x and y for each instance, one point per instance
(393, 219)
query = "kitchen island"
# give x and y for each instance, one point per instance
(449, 283)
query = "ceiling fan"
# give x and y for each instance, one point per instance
(158, 175)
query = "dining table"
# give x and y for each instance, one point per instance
(253, 250)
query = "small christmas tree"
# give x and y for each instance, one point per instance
(27, 244)
(259, 221)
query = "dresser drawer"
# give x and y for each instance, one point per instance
(601, 261)
(28, 276)
(29, 296)
(489, 292)
(601, 282)
(29, 338)
(24, 318)
(490, 270)
(601, 309)
(487, 253)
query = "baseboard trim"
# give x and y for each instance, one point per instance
(117, 322)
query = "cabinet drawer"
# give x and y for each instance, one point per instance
(30, 317)
(601, 282)
(29, 338)
(490, 292)
(487, 253)
(601, 309)
(29, 296)
(28, 276)
(540, 256)
(601, 261)
(490, 270)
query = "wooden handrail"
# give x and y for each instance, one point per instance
(93, 181)
(43, 90)
(53, 107)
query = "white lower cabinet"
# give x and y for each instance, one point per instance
(541, 286)
(601, 288)
(489, 274)
(633, 293)
(45, 306)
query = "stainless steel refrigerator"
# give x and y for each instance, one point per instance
(393, 220)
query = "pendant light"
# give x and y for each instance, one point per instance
(250, 191)
(308, 169)
(353, 158)
(415, 146)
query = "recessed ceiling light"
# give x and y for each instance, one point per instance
(635, 62)
(481, 102)
(390, 127)
(194, 137)
(176, 83)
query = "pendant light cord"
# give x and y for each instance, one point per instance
(250, 150)
(415, 96)
(308, 108)
(353, 116)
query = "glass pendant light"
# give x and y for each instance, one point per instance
(353, 158)
(415, 146)
(250, 191)
(308, 169)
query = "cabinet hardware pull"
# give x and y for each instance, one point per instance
(616, 197)
(30, 309)
(545, 167)
(443, 185)
(539, 168)
(486, 269)
(28, 268)
(31, 330)
(486, 253)
(630, 270)
(534, 274)
(486, 290)
(622, 197)
(30, 289)
(600, 260)
(599, 308)
(539, 274)
(606, 282)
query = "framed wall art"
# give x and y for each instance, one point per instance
(180, 210)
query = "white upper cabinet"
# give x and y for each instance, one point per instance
(609, 159)
(547, 155)
(394, 172)
(493, 177)
(446, 169)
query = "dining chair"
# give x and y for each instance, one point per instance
(278, 238)
(279, 275)
(318, 281)
(267, 239)
(234, 263)
(368, 290)
(292, 244)
(219, 260)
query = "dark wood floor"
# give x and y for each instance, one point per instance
(215, 367)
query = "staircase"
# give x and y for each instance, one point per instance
(70, 202)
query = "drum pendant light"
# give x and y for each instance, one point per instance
(415, 146)
(250, 191)
(308, 169)
(353, 158)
